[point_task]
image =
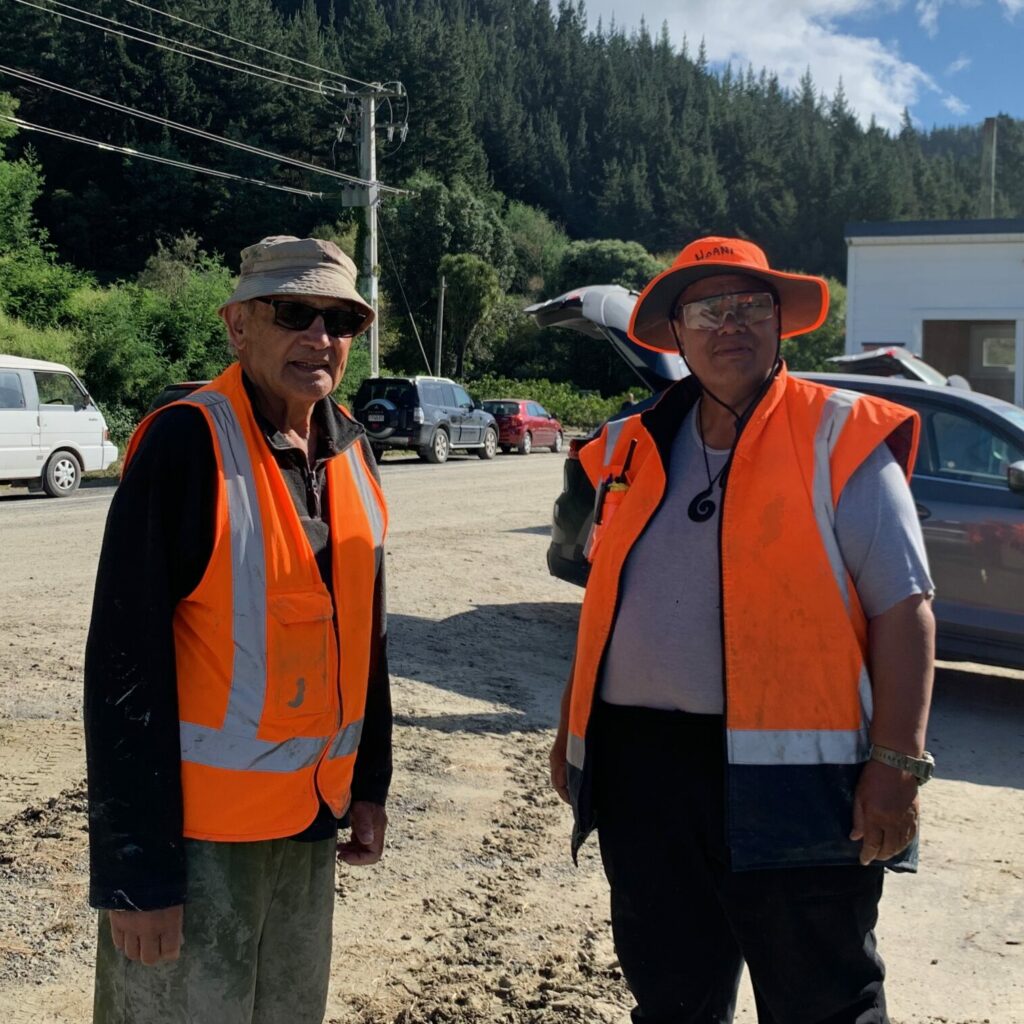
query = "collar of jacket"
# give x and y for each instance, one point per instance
(663, 419)
(337, 429)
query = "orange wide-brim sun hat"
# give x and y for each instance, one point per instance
(803, 299)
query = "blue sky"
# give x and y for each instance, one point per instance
(949, 61)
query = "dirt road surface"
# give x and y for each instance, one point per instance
(476, 913)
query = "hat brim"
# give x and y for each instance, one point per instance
(803, 301)
(313, 281)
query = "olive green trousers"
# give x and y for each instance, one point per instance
(257, 942)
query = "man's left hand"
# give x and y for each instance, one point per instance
(885, 808)
(369, 823)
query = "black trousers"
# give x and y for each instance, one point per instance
(684, 923)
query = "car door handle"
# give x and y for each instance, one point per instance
(922, 512)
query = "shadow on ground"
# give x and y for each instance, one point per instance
(514, 655)
(976, 730)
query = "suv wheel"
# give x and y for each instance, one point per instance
(526, 445)
(439, 447)
(490, 448)
(556, 445)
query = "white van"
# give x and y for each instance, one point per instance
(50, 429)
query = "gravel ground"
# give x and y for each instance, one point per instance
(476, 914)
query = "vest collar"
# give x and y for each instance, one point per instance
(663, 419)
(337, 430)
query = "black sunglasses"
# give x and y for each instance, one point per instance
(339, 321)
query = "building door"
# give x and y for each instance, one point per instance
(981, 351)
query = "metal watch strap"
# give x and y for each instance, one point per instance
(920, 767)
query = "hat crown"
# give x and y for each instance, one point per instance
(280, 252)
(716, 249)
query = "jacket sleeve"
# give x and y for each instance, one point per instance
(156, 546)
(371, 777)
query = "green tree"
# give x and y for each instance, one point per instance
(473, 288)
(606, 261)
(812, 351)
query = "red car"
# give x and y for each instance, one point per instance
(524, 425)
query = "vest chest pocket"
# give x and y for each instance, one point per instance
(301, 660)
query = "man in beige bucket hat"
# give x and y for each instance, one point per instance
(228, 738)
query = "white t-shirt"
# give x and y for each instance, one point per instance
(669, 610)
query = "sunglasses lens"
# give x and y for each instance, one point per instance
(295, 316)
(341, 323)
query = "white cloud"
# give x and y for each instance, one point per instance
(1012, 7)
(789, 37)
(960, 64)
(928, 15)
(955, 105)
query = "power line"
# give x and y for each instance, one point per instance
(254, 46)
(200, 133)
(181, 47)
(398, 278)
(182, 165)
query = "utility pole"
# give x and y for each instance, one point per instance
(440, 328)
(368, 196)
(368, 171)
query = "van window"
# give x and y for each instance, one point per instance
(11, 394)
(59, 389)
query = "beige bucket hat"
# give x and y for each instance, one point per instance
(286, 265)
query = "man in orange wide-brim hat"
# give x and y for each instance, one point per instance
(744, 723)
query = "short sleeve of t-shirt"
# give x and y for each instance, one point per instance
(880, 536)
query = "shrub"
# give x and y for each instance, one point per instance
(37, 289)
(574, 408)
(51, 343)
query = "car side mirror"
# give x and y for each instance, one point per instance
(1015, 477)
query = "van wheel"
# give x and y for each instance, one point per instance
(62, 475)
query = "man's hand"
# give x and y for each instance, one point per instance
(559, 770)
(369, 823)
(152, 936)
(885, 808)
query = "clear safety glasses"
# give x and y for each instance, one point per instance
(709, 314)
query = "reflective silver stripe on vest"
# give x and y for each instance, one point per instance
(611, 438)
(575, 751)
(234, 745)
(797, 746)
(834, 414)
(367, 496)
(347, 740)
(217, 748)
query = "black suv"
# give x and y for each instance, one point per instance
(430, 415)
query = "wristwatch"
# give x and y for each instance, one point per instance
(921, 767)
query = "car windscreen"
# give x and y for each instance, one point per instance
(502, 408)
(400, 393)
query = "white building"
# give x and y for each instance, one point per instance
(950, 291)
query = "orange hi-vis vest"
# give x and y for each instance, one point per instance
(798, 696)
(272, 674)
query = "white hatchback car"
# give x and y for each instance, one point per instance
(50, 428)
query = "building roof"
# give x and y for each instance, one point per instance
(925, 228)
